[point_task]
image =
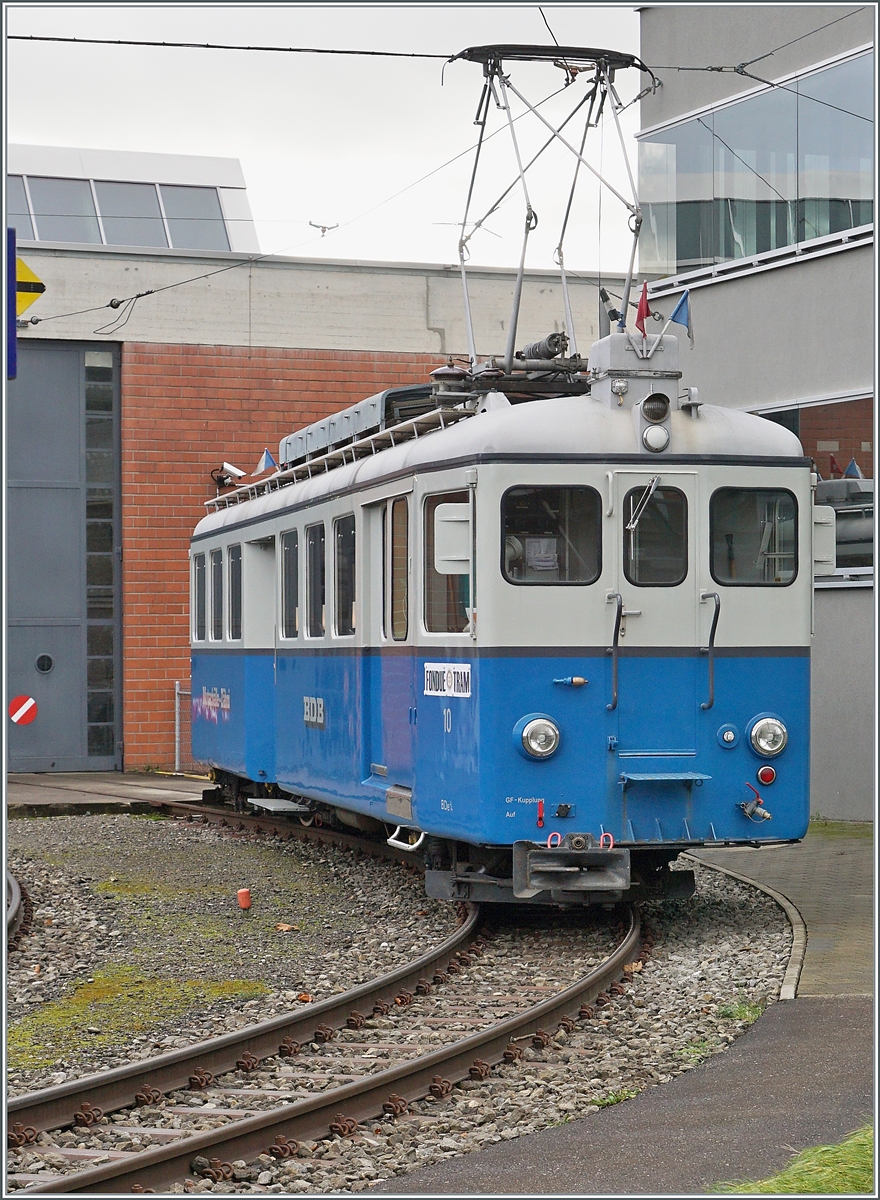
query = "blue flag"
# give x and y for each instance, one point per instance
(266, 462)
(681, 315)
(853, 471)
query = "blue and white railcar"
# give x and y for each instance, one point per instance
(549, 643)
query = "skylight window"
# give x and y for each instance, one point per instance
(112, 213)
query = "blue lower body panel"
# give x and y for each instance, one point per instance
(655, 770)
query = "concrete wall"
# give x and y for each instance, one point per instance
(295, 303)
(703, 35)
(794, 334)
(843, 724)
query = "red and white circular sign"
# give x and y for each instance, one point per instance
(22, 710)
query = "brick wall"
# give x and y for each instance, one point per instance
(849, 425)
(185, 410)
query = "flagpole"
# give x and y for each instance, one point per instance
(659, 336)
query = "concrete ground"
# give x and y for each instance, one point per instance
(96, 790)
(801, 1076)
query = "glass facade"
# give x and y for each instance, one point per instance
(109, 213)
(786, 165)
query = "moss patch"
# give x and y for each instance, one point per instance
(117, 1001)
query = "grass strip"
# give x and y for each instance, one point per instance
(846, 1168)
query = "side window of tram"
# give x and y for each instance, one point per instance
(551, 535)
(447, 597)
(399, 569)
(345, 575)
(290, 584)
(655, 536)
(753, 534)
(315, 581)
(216, 595)
(199, 598)
(234, 592)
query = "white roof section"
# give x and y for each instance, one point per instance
(128, 166)
(569, 425)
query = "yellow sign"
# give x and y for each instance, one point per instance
(28, 287)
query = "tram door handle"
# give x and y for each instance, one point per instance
(614, 648)
(710, 649)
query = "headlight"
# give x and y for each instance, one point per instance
(655, 407)
(540, 738)
(768, 737)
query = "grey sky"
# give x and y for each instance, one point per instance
(327, 139)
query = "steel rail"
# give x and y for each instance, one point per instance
(14, 907)
(57, 1106)
(309, 1119)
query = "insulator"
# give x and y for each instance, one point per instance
(549, 347)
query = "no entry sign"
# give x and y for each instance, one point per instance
(22, 710)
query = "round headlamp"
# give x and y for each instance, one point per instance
(540, 737)
(768, 736)
(655, 438)
(655, 408)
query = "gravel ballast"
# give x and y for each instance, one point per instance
(718, 960)
(140, 920)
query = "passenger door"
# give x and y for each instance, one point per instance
(654, 611)
(391, 699)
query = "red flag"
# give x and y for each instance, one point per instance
(643, 311)
(835, 466)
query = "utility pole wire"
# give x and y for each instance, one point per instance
(32, 37)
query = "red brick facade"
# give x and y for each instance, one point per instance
(186, 409)
(850, 425)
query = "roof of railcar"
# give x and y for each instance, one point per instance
(562, 429)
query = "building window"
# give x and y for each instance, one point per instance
(195, 219)
(290, 584)
(17, 211)
(217, 595)
(753, 534)
(101, 522)
(64, 210)
(113, 213)
(786, 165)
(235, 592)
(551, 535)
(130, 214)
(345, 575)
(655, 549)
(199, 597)
(315, 581)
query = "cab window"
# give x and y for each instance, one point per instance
(655, 536)
(753, 533)
(551, 535)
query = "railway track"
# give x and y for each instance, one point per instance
(18, 911)
(326, 1060)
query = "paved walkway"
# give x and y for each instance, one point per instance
(97, 789)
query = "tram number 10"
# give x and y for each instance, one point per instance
(447, 720)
